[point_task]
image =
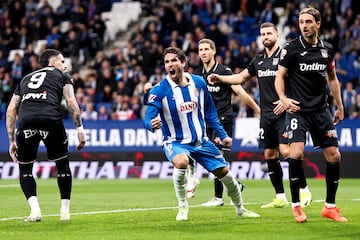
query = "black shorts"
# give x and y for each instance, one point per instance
(227, 123)
(319, 124)
(272, 129)
(31, 132)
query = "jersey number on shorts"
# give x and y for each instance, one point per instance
(293, 124)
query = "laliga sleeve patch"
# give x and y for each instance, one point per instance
(152, 98)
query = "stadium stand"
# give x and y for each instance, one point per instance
(119, 44)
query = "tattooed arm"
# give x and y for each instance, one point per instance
(11, 114)
(74, 110)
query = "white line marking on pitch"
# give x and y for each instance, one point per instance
(141, 209)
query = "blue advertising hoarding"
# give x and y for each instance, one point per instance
(123, 136)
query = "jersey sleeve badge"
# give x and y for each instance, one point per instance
(324, 53)
(152, 98)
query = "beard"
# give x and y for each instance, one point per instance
(269, 44)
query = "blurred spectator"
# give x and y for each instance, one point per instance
(341, 68)
(32, 65)
(349, 97)
(125, 75)
(24, 38)
(6, 87)
(292, 13)
(53, 36)
(328, 17)
(17, 70)
(96, 30)
(224, 25)
(70, 47)
(9, 37)
(106, 77)
(135, 106)
(139, 88)
(89, 113)
(148, 57)
(3, 60)
(157, 76)
(354, 110)
(17, 9)
(293, 33)
(99, 59)
(106, 94)
(125, 113)
(103, 113)
(77, 13)
(269, 15)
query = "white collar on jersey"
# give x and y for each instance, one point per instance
(174, 85)
(306, 44)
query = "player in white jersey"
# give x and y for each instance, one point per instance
(181, 106)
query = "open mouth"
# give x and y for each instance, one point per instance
(172, 72)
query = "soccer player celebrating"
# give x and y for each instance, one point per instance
(36, 102)
(182, 107)
(308, 62)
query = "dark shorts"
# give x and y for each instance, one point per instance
(272, 129)
(31, 132)
(228, 127)
(319, 124)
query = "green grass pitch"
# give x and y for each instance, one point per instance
(146, 209)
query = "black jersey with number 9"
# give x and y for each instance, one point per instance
(41, 94)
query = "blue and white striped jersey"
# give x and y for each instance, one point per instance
(184, 111)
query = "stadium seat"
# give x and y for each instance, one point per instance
(13, 52)
(39, 45)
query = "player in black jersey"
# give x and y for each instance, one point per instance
(221, 94)
(272, 126)
(308, 63)
(36, 104)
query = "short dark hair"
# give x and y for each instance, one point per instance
(46, 55)
(179, 53)
(268, 24)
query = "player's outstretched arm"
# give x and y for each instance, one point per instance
(244, 96)
(74, 110)
(238, 78)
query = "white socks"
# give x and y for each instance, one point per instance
(190, 171)
(232, 189)
(34, 203)
(179, 180)
(65, 205)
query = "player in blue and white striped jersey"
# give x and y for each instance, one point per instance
(181, 106)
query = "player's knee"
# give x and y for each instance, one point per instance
(220, 172)
(63, 166)
(333, 156)
(285, 152)
(270, 153)
(180, 161)
(297, 154)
